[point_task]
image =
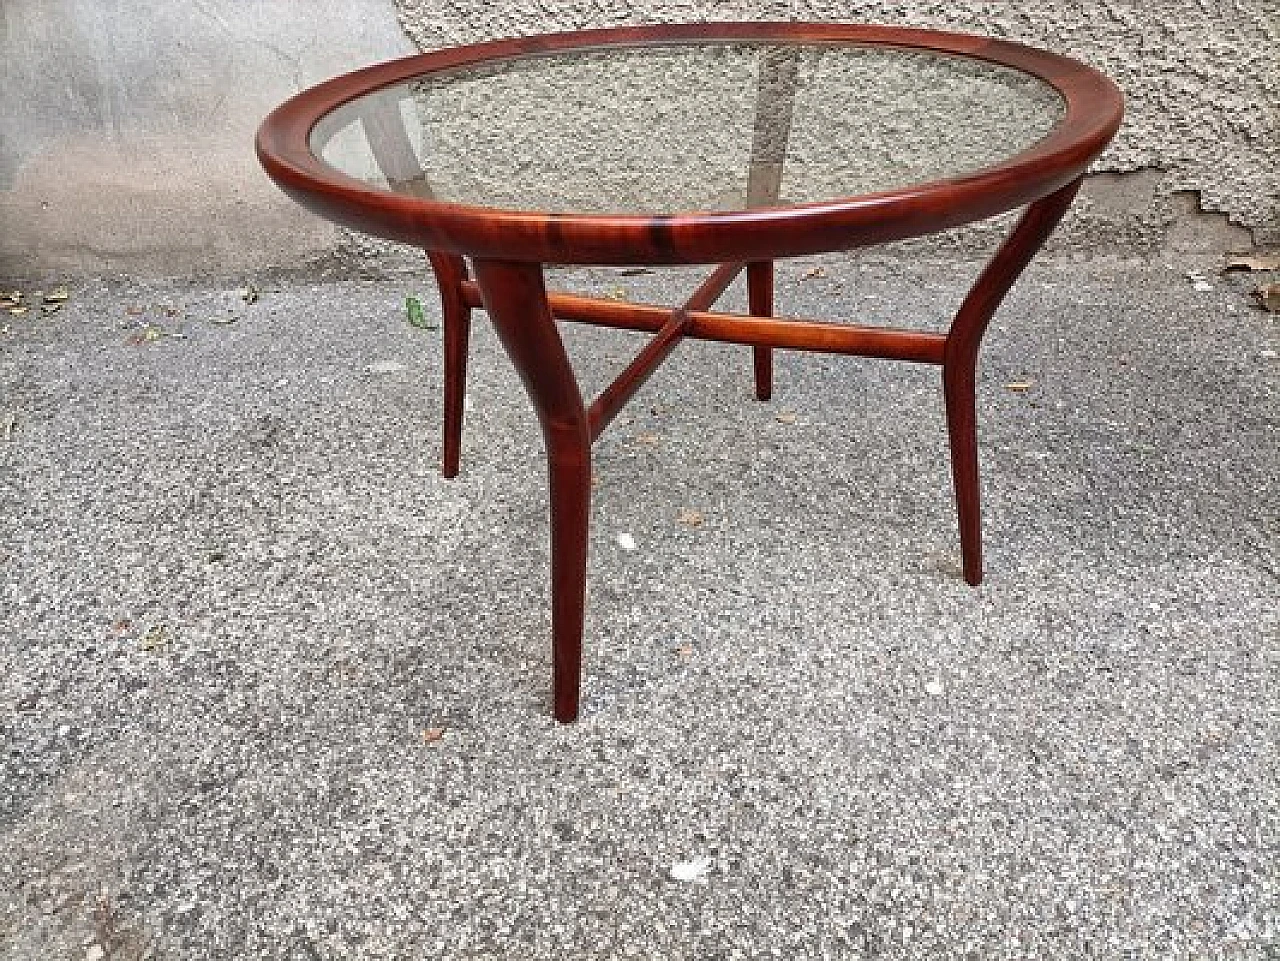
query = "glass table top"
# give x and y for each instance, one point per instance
(682, 127)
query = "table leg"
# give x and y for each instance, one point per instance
(760, 303)
(451, 271)
(960, 361)
(515, 297)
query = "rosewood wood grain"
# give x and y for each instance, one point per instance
(960, 361)
(516, 301)
(771, 133)
(711, 289)
(1093, 108)
(451, 272)
(859, 341)
(509, 247)
(393, 152)
(760, 303)
(611, 400)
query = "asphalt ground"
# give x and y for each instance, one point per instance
(270, 687)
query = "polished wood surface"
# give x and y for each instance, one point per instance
(760, 303)
(612, 399)
(829, 338)
(1093, 110)
(451, 273)
(516, 301)
(508, 249)
(960, 360)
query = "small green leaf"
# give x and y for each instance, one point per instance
(417, 316)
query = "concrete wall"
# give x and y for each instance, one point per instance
(126, 129)
(126, 125)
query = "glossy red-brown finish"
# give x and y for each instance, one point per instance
(710, 290)
(1093, 111)
(605, 407)
(960, 361)
(760, 303)
(451, 272)
(855, 340)
(509, 247)
(516, 300)
(611, 400)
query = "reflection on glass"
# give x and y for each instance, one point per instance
(683, 127)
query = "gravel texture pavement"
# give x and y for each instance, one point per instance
(270, 687)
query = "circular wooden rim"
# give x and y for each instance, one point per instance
(1094, 106)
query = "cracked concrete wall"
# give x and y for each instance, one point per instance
(126, 125)
(126, 129)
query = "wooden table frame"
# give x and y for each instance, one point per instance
(508, 249)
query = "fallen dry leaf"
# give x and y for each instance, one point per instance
(691, 518)
(648, 437)
(786, 417)
(135, 311)
(18, 311)
(148, 335)
(1019, 385)
(1253, 262)
(432, 734)
(685, 650)
(616, 293)
(57, 296)
(813, 272)
(1269, 295)
(155, 638)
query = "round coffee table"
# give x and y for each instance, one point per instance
(732, 144)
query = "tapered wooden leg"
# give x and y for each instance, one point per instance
(451, 271)
(760, 303)
(959, 391)
(515, 297)
(960, 361)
